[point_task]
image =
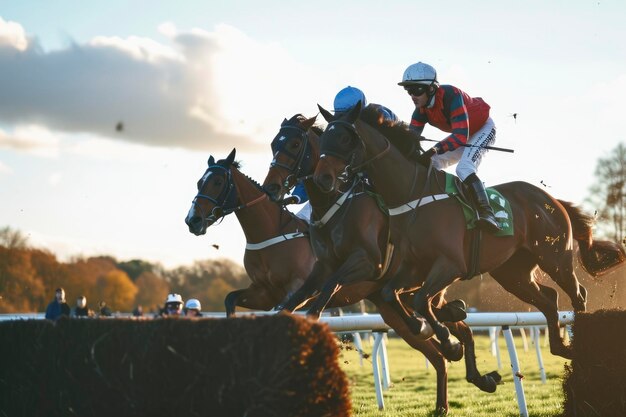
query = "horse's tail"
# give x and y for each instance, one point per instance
(597, 257)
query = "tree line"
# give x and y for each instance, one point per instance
(29, 276)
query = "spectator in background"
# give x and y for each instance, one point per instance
(192, 308)
(173, 305)
(105, 311)
(81, 309)
(138, 311)
(58, 307)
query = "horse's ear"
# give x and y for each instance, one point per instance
(326, 114)
(354, 112)
(308, 123)
(211, 160)
(231, 157)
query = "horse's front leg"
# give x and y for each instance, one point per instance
(357, 267)
(442, 273)
(307, 291)
(230, 302)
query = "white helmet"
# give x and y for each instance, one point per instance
(419, 73)
(193, 304)
(347, 98)
(173, 298)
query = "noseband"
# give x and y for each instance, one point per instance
(225, 196)
(294, 170)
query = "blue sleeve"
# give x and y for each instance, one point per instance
(300, 192)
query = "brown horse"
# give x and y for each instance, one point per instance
(438, 249)
(352, 244)
(278, 255)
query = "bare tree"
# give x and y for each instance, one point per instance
(608, 194)
(12, 239)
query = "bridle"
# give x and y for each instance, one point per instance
(328, 148)
(299, 159)
(226, 201)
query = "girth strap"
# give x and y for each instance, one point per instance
(412, 205)
(275, 240)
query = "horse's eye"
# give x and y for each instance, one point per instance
(345, 140)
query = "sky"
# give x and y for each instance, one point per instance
(193, 79)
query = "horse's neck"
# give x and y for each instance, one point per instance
(260, 218)
(393, 176)
(320, 201)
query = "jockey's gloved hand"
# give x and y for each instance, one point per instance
(425, 158)
(290, 200)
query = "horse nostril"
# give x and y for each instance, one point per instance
(194, 221)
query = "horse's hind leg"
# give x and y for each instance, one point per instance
(430, 348)
(487, 382)
(562, 272)
(516, 277)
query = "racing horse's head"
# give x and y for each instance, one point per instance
(216, 196)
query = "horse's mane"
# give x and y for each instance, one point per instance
(237, 164)
(398, 132)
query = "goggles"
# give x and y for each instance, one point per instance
(416, 90)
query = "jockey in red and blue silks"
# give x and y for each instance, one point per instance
(465, 118)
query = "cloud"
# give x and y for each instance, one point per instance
(36, 140)
(12, 35)
(198, 90)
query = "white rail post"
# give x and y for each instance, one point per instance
(495, 348)
(536, 338)
(384, 361)
(522, 333)
(356, 338)
(517, 376)
(378, 340)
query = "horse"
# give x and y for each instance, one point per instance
(437, 238)
(278, 256)
(352, 243)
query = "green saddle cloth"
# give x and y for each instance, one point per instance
(500, 205)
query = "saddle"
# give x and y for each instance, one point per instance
(500, 205)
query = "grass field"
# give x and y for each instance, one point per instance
(413, 384)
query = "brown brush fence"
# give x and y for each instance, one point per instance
(595, 383)
(256, 367)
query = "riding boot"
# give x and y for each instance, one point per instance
(486, 218)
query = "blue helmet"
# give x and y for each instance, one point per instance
(348, 98)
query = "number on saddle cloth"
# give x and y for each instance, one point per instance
(500, 205)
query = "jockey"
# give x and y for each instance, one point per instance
(345, 99)
(348, 97)
(465, 118)
(299, 196)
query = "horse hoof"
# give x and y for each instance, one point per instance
(441, 411)
(495, 375)
(487, 384)
(452, 351)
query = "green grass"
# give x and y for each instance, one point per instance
(413, 384)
